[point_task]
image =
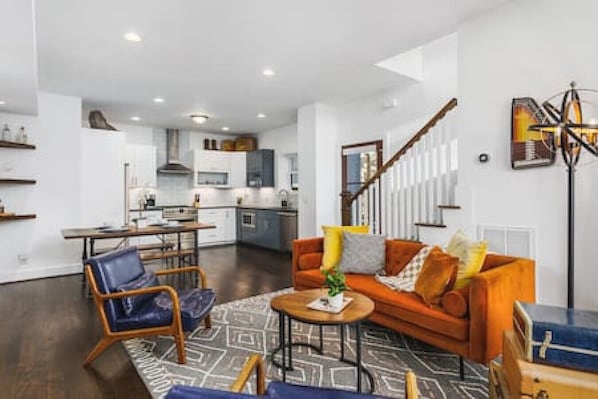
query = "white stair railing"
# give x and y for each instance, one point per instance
(410, 186)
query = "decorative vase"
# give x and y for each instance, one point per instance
(336, 302)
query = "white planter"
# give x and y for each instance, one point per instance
(336, 302)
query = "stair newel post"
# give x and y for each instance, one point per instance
(346, 202)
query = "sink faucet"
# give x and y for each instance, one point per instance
(284, 198)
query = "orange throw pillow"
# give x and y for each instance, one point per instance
(437, 274)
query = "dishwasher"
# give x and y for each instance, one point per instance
(288, 230)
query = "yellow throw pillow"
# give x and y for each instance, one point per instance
(471, 256)
(333, 242)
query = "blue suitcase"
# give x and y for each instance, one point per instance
(557, 336)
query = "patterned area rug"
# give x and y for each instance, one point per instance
(240, 328)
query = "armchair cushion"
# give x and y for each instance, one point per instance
(186, 392)
(282, 390)
(132, 303)
(195, 304)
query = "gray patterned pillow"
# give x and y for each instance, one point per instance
(362, 253)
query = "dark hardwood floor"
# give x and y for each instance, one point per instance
(48, 327)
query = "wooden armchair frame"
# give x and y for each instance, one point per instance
(175, 328)
(256, 362)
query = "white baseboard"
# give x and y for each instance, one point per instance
(35, 273)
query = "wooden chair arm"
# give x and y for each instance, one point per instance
(140, 291)
(411, 386)
(198, 269)
(255, 362)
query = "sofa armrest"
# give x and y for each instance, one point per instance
(491, 299)
(304, 246)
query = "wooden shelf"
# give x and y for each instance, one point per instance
(16, 181)
(17, 217)
(12, 144)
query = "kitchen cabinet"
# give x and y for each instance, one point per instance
(225, 221)
(268, 229)
(212, 169)
(272, 228)
(238, 168)
(142, 165)
(260, 168)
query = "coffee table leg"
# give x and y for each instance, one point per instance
(321, 341)
(281, 338)
(290, 345)
(342, 327)
(358, 350)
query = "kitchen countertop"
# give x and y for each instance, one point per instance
(264, 207)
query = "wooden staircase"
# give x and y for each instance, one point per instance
(412, 191)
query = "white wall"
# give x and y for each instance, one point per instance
(55, 164)
(528, 48)
(284, 142)
(367, 119)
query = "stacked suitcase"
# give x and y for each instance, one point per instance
(551, 354)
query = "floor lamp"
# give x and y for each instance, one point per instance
(569, 132)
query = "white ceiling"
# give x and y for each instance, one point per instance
(207, 56)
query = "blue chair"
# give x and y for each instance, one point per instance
(276, 389)
(131, 303)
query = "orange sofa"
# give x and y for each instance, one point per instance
(487, 301)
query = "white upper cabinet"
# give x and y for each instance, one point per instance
(225, 169)
(238, 164)
(142, 165)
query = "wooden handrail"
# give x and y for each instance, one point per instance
(425, 129)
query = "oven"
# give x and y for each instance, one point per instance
(181, 214)
(248, 219)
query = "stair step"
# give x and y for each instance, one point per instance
(449, 206)
(421, 224)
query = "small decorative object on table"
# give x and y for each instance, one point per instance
(6, 135)
(335, 281)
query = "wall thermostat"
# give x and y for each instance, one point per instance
(483, 158)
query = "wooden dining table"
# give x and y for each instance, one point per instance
(89, 235)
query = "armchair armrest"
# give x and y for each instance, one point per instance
(491, 299)
(202, 274)
(255, 362)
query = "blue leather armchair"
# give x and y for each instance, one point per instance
(131, 303)
(277, 389)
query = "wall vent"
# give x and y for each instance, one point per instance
(513, 241)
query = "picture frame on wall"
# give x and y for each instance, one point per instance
(529, 149)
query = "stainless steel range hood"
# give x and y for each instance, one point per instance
(173, 165)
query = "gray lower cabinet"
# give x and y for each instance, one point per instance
(266, 231)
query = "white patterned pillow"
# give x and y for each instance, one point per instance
(405, 280)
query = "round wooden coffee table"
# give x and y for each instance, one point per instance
(294, 307)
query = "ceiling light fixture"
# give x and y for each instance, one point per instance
(199, 119)
(133, 37)
(261, 115)
(2, 102)
(158, 100)
(225, 128)
(135, 118)
(268, 72)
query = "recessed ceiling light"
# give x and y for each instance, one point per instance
(133, 37)
(225, 128)
(261, 115)
(158, 100)
(268, 72)
(199, 119)
(135, 118)
(2, 102)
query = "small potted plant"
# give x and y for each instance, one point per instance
(335, 281)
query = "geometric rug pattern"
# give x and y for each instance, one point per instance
(247, 326)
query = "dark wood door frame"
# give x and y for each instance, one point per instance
(379, 146)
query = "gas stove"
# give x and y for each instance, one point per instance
(180, 213)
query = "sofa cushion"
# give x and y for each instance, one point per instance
(456, 302)
(186, 392)
(405, 280)
(310, 261)
(132, 303)
(398, 254)
(362, 253)
(438, 272)
(333, 242)
(471, 256)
